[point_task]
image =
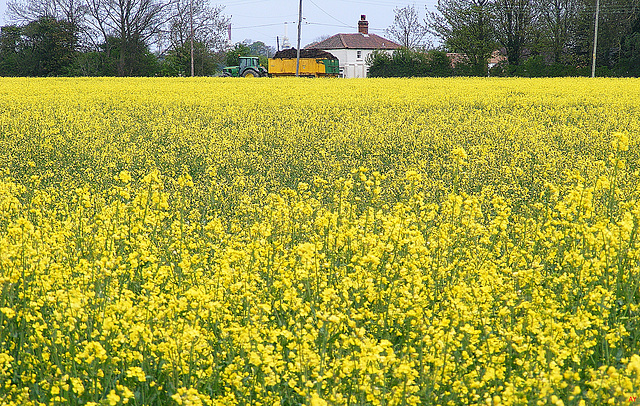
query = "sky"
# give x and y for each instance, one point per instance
(265, 20)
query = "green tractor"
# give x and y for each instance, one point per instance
(249, 68)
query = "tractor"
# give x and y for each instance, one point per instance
(249, 68)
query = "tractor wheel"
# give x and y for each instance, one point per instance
(250, 73)
(226, 75)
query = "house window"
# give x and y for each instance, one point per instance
(359, 54)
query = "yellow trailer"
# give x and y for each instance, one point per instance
(311, 67)
(308, 67)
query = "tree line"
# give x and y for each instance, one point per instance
(153, 37)
(535, 38)
(117, 38)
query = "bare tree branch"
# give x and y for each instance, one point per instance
(408, 29)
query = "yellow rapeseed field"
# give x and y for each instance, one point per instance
(319, 242)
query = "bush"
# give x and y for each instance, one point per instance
(405, 62)
(439, 64)
(380, 64)
(535, 67)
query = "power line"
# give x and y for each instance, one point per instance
(381, 3)
(353, 27)
(333, 25)
(320, 8)
(265, 17)
(245, 2)
(261, 25)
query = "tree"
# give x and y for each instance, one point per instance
(628, 55)
(465, 26)
(209, 34)
(10, 48)
(25, 11)
(514, 23)
(232, 57)
(49, 47)
(139, 61)
(619, 21)
(44, 47)
(178, 60)
(22, 12)
(316, 41)
(259, 48)
(629, 62)
(556, 23)
(131, 25)
(439, 64)
(408, 29)
(209, 31)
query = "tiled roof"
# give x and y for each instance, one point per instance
(355, 41)
(496, 57)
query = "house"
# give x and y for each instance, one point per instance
(352, 49)
(496, 58)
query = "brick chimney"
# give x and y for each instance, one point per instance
(363, 25)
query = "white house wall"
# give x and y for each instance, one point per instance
(350, 65)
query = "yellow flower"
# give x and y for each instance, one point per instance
(620, 141)
(125, 176)
(8, 312)
(317, 401)
(113, 398)
(440, 244)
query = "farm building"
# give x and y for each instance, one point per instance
(352, 49)
(496, 58)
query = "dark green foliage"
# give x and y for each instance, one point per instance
(439, 63)
(469, 68)
(380, 64)
(629, 53)
(466, 27)
(262, 51)
(178, 61)
(535, 66)
(90, 63)
(49, 47)
(128, 58)
(44, 47)
(540, 38)
(259, 48)
(233, 56)
(10, 48)
(407, 63)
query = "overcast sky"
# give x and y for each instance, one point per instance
(264, 20)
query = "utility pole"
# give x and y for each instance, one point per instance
(299, 27)
(191, 26)
(595, 40)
